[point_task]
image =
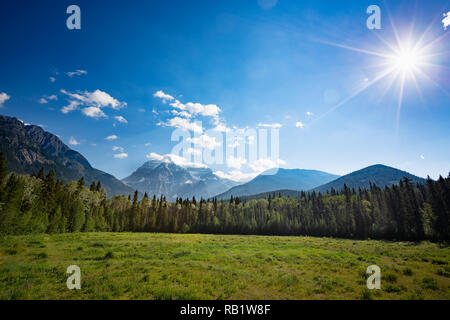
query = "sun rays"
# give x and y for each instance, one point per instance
(402, 62)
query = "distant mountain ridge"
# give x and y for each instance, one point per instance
(164, 177)
(28, 148)
(378, 174)
(277, 179)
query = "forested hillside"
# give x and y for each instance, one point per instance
(37, 204)
(28, 148)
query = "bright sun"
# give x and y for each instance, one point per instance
(403, 61)
(407, 60)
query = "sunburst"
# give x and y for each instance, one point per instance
(405, 60)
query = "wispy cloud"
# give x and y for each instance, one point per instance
(163, 96)
(92, 102)
(208, 110)
(236, 163)
(112, 137)
(121, 119)
(3, 98)
(299, 124)
(46, 99)
(122, 155)
(76, 73)
(236, 175)
(270, 125)
(205, 141)
(262, 165)
(73, 141)
(180, 161)
(116, 148)
(52, 79)
(182, 124)
(446, 20)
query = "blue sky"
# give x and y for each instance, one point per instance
(241, 64)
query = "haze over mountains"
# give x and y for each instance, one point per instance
(28, 148)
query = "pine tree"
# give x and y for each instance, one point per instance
(40, 174)
(81, 183)
(3, 170)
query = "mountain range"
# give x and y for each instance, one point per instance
(28, 148)
(276, 179)
(164, 177)
(378, 174)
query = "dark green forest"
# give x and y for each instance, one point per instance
(42, 204)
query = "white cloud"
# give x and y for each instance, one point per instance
(446, 20)
(194, 151)
(236, 175)
(221, 128)
(73, 105)
(148, 144)
(309, 113)
(205, 141)
(121, 155)
(422, 157)
(236, 163)
(262, 165)
(165, 97)
(76, 73)
(209, 110)
(94, 112)
(112, 137)
(73, 141)
(270, 125)
(183, 124)
(299, 124)
(180, 161)
(235, 141)
(116, 148)
(121, 119)
(45, 99)
(184, 114)
(97, 99)
(52, 79)
(3, 98)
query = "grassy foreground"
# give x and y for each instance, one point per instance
(181, 266)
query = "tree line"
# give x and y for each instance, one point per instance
(407, 211)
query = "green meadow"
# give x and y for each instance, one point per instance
(194, 266)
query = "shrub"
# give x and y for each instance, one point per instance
(429, 283)
(109, 255)
(11, 251)
(443, 273)
(42, 255)
(366, 294)
(407, 272)
(390, 277)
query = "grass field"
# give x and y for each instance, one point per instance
(180, 266)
